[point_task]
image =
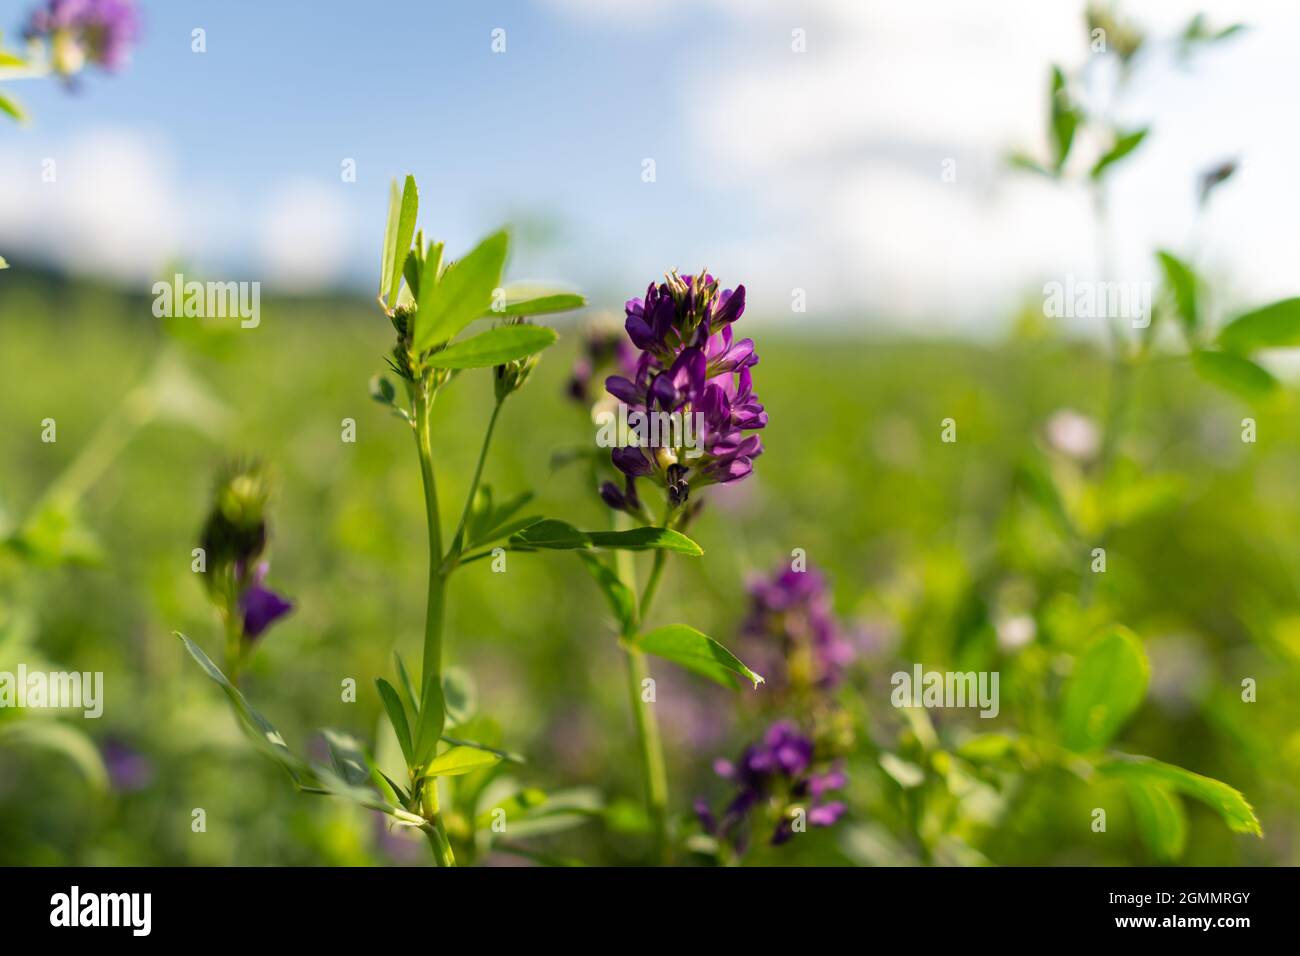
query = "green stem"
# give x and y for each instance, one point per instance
(650, 743)
(432, 669)
(457, 542)
(438, 842)
(652, 584)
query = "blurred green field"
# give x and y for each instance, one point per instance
(928, 546)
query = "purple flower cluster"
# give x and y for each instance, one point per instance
(234, 541)
(97, 31)
(778, 771)
(793, 608)
(691, 364)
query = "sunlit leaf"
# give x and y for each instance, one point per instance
(1108, 684)
(1223, 799)
(462, 294)
(698, 652)
(1235, 374)
(496, 346)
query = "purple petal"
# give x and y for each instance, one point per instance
(630, 461)
(261, 607)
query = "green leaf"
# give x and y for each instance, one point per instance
(505, 343)
(390, 237)
(529, 300)
(554, 535)
(348, 757)
(1223, 799)
(1124, 144)
(261, 730)
(1109, 682)
(619, 596)
(58, 737)
(408, 686)
(509, 756)
(382, 390)
(402, 238)
(433, 716)
(397, 717)
(1236, 374)
(462, 294)
(493, 521)
(10, 106)
(1181, 282)
(646, 539)
(1276, 325)
(459, 760)
(3, 263)
(1160, 819)
(698, 652)
(1064, 119)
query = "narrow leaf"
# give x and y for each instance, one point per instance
(698, 652)
(1276, 325)
(397, 717)
(261, 730)
(646, 539)
(494, 347)
(1236, 374)
(1124, 144)
(1181, 281)
(390, 237)
(402, 240)
(619, 596)
(459, 760)
(534, 300)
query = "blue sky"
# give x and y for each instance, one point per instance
(814, 170)
(550, 134)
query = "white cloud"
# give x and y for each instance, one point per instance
(111, 207)
(840, 149)
(115, 208)
(304, 236)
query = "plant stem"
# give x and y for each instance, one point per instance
(652, 584)
(650, 744)
(652, 752)
(457, 543)
(442, 855)
(432, 661)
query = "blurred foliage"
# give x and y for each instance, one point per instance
(932, 548)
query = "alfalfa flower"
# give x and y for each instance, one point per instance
(233, 543)
(693, 373)
(782, 781)
(79, 32)
(792, 630)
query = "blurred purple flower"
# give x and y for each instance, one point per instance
(603, 349)
(81, 31)
(777, 771)
(260, 606)
(691, 364)
(128, 769)
(793, 609)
